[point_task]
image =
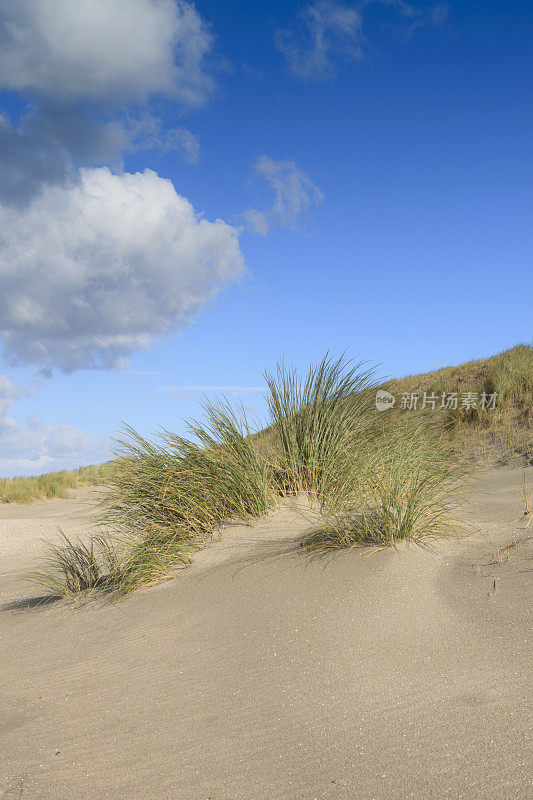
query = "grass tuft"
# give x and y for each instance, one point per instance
(318, 420)
(75, 568)
(407, 487)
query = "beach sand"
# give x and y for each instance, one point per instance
(258, 673)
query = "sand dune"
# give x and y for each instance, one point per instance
(258, 673)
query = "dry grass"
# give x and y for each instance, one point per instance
(500, 436)
(527, 500)
(52, 484)
(502, 554)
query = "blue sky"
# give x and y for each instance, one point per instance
(369, 162)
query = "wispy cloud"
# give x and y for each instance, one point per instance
(147, 132)
(179, 392)
(327, 30)
(8, 393)
(33, 446)
(328, 33)
(294, 194)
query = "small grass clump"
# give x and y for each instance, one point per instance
(407, 489)
(73, 569)
(373, 478)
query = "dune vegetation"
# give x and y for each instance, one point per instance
(488, 436)
(372, 478)
(52, 484)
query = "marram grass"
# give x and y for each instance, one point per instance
(52, 484)
(376, 479)
(408, 490)
(317, 419)
(72, 569)
(170, 496)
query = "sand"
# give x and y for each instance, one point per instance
(258, 673)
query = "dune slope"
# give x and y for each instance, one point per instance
(258, 673)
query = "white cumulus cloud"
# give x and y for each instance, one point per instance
(294, 194)
(90, 271)
(85, 66)
(104, 50)
(42, 149)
